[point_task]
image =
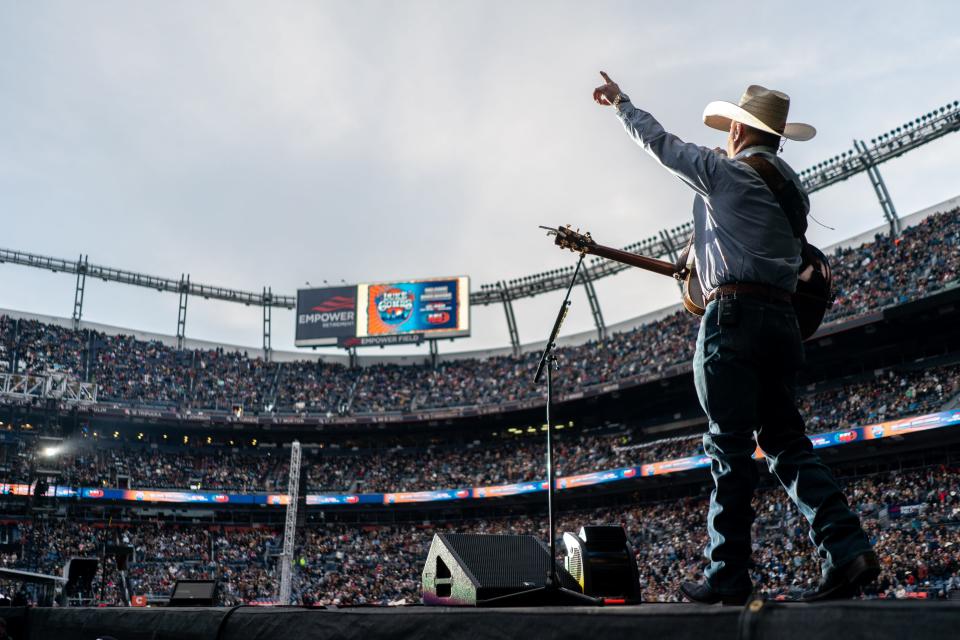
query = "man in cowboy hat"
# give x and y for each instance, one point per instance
(749, 348)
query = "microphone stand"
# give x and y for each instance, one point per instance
(553, 593)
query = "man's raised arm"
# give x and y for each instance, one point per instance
(693, 164)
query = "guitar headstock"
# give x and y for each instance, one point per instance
(567, 238)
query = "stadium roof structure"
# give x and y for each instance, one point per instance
(666, 244)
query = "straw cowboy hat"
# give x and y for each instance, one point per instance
(760, 108)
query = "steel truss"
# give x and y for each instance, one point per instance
(511, 318)
(267, 323)
(880, 188)
(290, 526)
(586, 280)
(82, 264)
(56, 386)
(884, 147)
(182, 310)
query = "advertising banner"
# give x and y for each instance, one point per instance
(596, 477)
(179, 497)
(363, 498)
(380, 341)
(19, 489)
(912, 424)
(57, 491)
(673, 466)
(434, 308)
(892, 428)
(426, 496)
(324, 315)
(502, 490)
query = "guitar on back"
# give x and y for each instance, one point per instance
(810, 301)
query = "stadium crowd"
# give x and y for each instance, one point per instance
(379, 467)
(912, 517)
(925, 258)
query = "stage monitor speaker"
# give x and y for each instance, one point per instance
(600, 561)
(121, 552)
(193, 593)
(467, 569)
(79, 573)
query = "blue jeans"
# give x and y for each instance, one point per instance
(745, 374)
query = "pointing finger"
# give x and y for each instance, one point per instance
(606, 78)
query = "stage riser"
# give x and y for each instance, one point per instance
(848, 620)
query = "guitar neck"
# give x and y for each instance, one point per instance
(618, 255)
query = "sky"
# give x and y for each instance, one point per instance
(253, 144)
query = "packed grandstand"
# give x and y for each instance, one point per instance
(872, 276)
(907, 491)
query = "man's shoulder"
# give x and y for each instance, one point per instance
(781, 165)
(740, 172)
(776, 160)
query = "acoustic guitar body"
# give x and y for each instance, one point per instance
(810, 301)
(693, 298)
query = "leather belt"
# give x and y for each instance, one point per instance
(751, 289)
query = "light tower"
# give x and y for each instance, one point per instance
(290, 528)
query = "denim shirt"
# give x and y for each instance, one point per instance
(741, 233)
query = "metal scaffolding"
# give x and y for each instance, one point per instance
(267, 321)
(122, 276)
(82, 263)
(42, 386)
(290, 526)
(886, 146)
(184, 291)
(595, 311)
(511, 318)
(879, 188)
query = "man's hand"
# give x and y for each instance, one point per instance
(605, 95)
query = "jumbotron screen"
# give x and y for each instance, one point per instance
(435, 308)
(384, 313)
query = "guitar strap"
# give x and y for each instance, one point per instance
(785, 191)
(684, 263)
(814, 292)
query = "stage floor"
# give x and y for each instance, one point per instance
(851, 620)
